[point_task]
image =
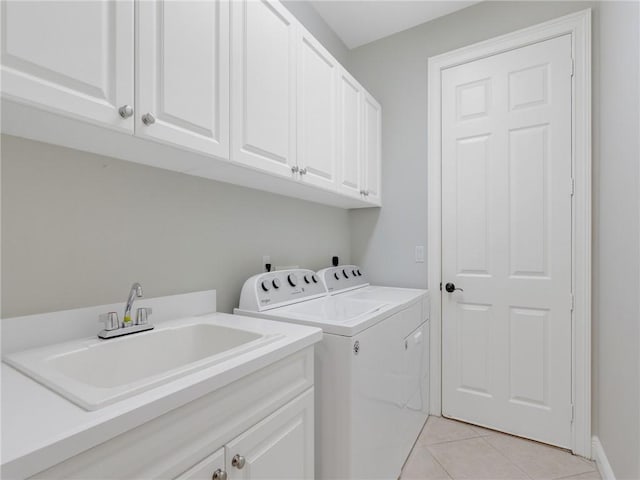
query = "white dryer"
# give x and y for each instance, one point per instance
(371, 400)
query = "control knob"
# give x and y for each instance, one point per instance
(344, 272)
(276, 283)
(314, 278)
(265, 286)
(306, 279)
(336, 276)
(292, 279)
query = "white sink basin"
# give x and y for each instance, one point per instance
(93, 373)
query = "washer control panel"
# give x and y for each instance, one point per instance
(276, 289)
(343, 277)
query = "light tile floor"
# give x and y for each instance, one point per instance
(447, 449)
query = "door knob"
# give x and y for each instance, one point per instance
(219, 474)
(148, 119)
(238, 461)
(125, 111)
(450, 287)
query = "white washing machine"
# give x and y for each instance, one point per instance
(351, 282)
(371, 398)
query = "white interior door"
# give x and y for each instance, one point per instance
(70, 57)
(317, 77)
(506, 241)
(183, 74)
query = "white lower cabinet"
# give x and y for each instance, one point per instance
(259, 427)
(279, 447)
(211, 468)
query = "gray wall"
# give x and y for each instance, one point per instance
(394, 69)
(316, 25)
(78, 229)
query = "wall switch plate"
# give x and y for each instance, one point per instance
(419, 254)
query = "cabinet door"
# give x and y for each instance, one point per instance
(317, 77)
(279, 447)
(70, 57)
(372, 149)
(206, 468)
(182, 76)
(349, 135)
(263, 90)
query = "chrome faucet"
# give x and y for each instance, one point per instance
(136, 291)
(113, 328)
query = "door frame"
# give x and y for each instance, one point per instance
(578, 25)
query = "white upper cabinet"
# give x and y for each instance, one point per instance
(317, 77)
(349, 123)
(372, 149)
(263, 93)
(182, 74)
(70, 57)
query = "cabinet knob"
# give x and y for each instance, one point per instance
(238, 461)
(219, 474)
(295, 169)
(303, 171)
(148, 119)
(125, 111)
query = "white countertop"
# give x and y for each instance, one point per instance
(41, 428)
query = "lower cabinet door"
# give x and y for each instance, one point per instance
(211, 468)
(279, 447)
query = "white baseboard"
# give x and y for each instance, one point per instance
(597, 451)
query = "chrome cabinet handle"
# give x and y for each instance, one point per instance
(295, 169)
(148, 119)
(303, 171)
(238, 461)
(125, 111)
(219, 474)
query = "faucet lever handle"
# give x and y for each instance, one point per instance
(142, 315)
(110, 320)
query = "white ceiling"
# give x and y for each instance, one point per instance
(358, 22)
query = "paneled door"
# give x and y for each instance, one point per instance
(506, 241)
(263, 88)
(71, 57)
(349, 163)
(317, 81)
(279, 447)
(182, 82)
(372, 132)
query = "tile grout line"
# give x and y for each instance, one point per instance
(507, 459)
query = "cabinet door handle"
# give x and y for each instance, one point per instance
(238, 462)
(125, 111)
(148, 119)
(295, 169)
(219, 474)
(303, 171)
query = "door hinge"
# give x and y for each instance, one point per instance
(440, 286)
(572, 301)
(572, 186)
(572, 412)
(572, 65)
